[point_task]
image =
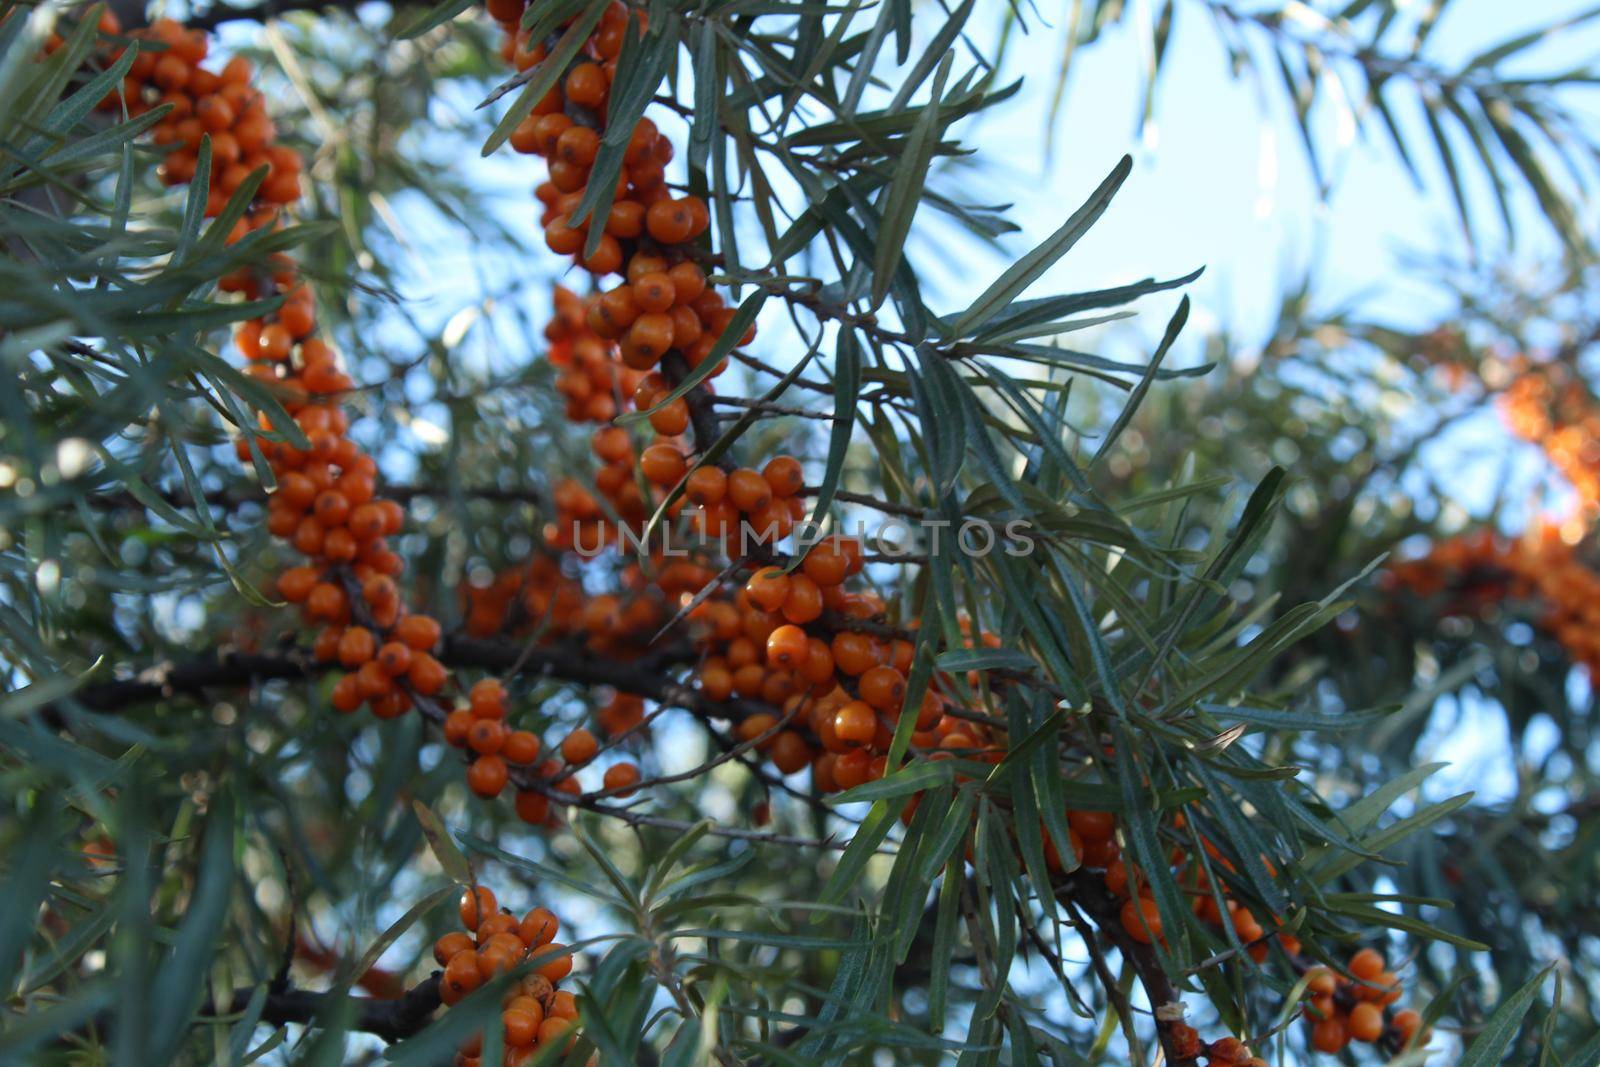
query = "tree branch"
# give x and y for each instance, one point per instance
(390, 1020)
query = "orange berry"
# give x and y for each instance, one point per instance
(357, 646)
(1328, 1035)
(803, 603)
(768, 588)
(486, 736)
(1141, 920)
(539, 927)
(457, 725)
(532, 807)
(788, 647)
(1366, 1022)
(579, 747)
(1407, 1022)
(662, 464)
(856, 722)
(883, 688)
(447, 946)
(853, 652)
(825, 564)
(420, 632)
(622, 776)
(426, 674)
(462, 972)
(784, 475)
(487, 776)
(1366, 964)
(555, 966)
(707, 485)
(477, 904)
(521, 1028)
(520, 747)
(748, 490)
(669, 221)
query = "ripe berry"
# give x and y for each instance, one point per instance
(1366, 964)
(855, 722)
(748, 490)
(1366, 1022)
(621, 776)
(487, 776)
(787, 647)
(1142, 920)
(706, 485)
(579, 747)
(477, 904)
(768, 589)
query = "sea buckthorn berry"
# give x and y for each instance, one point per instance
(486, 736)
(487, 776)
(787, 647)
(395, 658)
(1365, 1023)
(296, 583)
(883, 687)
(621, 777)
(477, 904)
(663, 465)
(487, 698)
(784, 475)
(707, 485)
(532, 807)
(426, 674)
(748, 490)
(457, 725)
(557, 962)
(520, 747)
(420, 632)
(1142, 920)
(578, 145)
(447, 946)
(654, 292)
(521, 1028)
(1366, 964)
(357, 646)
(669, 221)
(853, 652)
(579, 747)
(1407, 1022)
(462, 971)
(586, 85)
(1092, 825)
(803, 603)
(1328, 1035)
(825, 564)
(672, 419)
(768, 588)
(855, 722)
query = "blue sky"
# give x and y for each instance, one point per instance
(1222, 180)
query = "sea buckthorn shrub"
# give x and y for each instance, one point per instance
(1000, 766)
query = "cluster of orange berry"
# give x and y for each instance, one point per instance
(1224, 1052)
(597, 385)
(1355, 1006)
(1482, 569)
(221, 105)
(480, 729)
(534, 1013)
(1549, 404)
(325, 504)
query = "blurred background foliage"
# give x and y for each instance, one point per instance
(130, 538)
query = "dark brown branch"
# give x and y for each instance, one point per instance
(1102, 906)
(390, 1020)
